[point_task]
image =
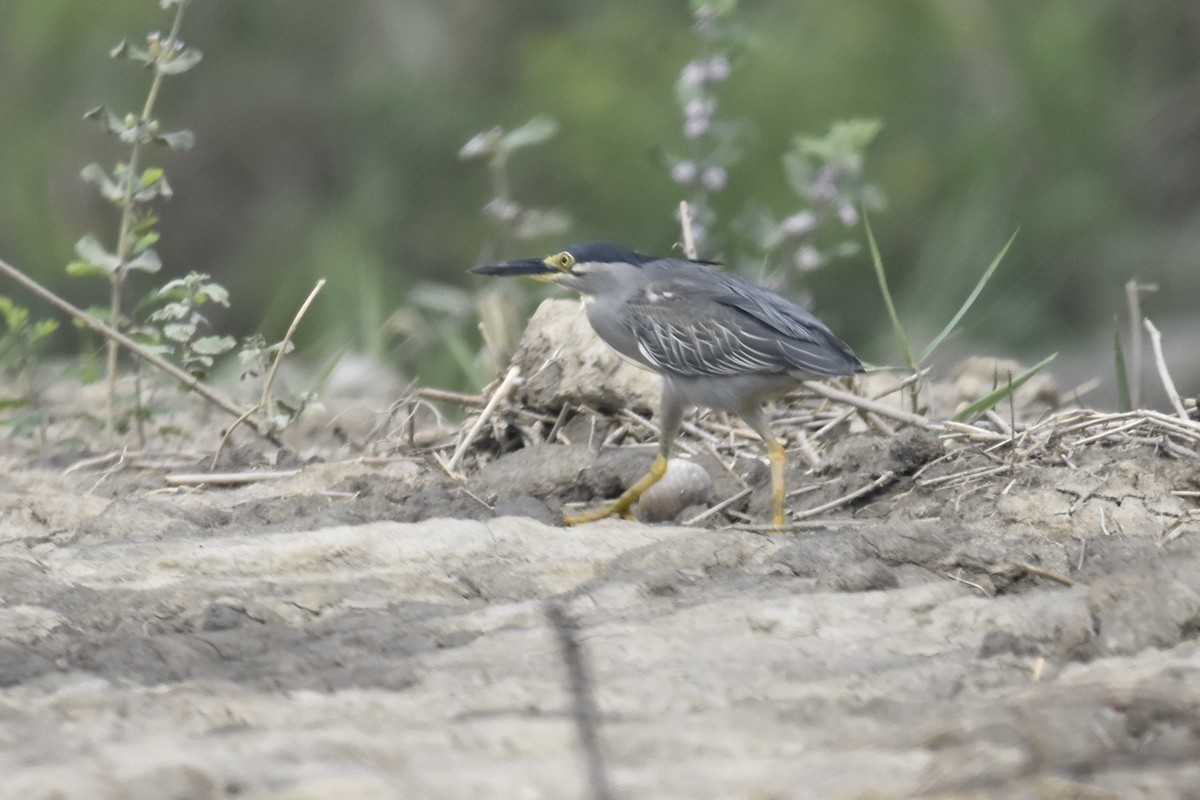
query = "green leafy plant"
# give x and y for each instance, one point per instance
(132, 188)
(21, 340)
(827, 173)
(514, 220)
(177, 322)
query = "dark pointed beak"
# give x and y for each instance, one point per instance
(534, 267)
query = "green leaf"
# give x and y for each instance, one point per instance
(158, 189)
(42, 328)
(171, 311)
(95, 175)
(143, 242)
(147, 261)
(953, 323)
(84, 269)
(110, 121)
(179, 331)
(481, 144)
(180, 62)
(176, 140)
(132, 52)
(14, 315)
(881, 276)
(214, 292)
(158, 349)
(90, 250)
(991, 399)
(1125, 399)
(152, 174)
(539, 129)
(214, 345)
(145, 224)
(174, 287)
(534, 223)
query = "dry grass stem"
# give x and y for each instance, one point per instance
(264, 401)
(227, 478)
(685, 222)
(881, 481)
(882, 409)
(1045, 573)
(458, 398)
(506, 386)
(721, 506)
(1163, 374)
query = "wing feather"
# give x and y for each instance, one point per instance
(715, 324)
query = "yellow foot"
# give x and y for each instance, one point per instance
(778, 458)
(623, 505)
(610, 510)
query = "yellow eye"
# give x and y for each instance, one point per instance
(565, 261)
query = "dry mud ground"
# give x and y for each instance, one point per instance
(979, 626)
(375, 630)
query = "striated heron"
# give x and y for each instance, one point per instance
(717, 341)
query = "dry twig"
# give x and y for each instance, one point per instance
(506, 386)
(1163, 374)
(883, 480)
(685, 222)
(264, 402)
(227, 478)
(87, 320)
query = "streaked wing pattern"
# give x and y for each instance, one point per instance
(684, 329)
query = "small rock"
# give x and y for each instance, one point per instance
(685, 484)
(564, 362)
(526, 506)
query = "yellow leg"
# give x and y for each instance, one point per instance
(778, 461)
(623, 504)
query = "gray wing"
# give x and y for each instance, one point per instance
(714, 324)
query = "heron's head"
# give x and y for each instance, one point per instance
(588, 267)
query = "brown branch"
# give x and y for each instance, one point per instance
(190, 382)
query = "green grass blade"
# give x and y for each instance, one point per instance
(1123, 395)
(897, 326)
(953, 323)
(992, 398)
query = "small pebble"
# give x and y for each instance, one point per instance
(685, 484)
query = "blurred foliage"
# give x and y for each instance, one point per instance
(327, 138)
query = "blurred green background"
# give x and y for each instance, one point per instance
(328, 134)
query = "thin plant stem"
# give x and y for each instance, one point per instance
(1165, 376)
(264, 403)
(689, 238)
(970, 301)
(117, 279)
(1133, 300)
